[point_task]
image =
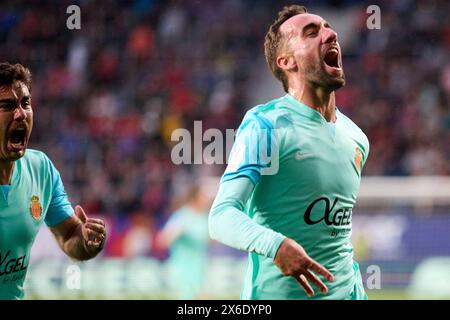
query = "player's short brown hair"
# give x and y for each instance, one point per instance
(274, 40)
(10, 73)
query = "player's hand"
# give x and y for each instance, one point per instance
(93, 230)
(293, 261)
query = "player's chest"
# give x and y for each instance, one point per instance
(22, 212)
(323, 154)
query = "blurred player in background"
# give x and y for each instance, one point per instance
(32, 191)
(296, 223)
(186, 236)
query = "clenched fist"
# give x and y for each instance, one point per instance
(93, 230)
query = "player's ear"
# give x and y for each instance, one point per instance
(286, 62)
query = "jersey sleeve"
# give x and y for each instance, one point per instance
(230, 225)
(60, 207)
(254, 151)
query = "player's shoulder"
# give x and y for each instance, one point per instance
(353, 126)
(36, 163)
(34, 155)
(36, 159)
(179, 215)
(267, 114)
(182, 211)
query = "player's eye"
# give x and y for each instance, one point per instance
(312, 33)
(7, 105)
(26, 103)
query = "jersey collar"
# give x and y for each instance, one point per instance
(6, 189)
(303, 109)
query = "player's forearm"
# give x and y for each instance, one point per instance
(230, 225)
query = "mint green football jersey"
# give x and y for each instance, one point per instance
(307, 174)
(36, 194)
(188, 253)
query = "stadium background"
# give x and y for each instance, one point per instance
(107, 98)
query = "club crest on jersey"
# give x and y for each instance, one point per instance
(358, 157)
(35, 208)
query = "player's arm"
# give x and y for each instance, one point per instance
(78, 236)
(229, 224)
(227, 221)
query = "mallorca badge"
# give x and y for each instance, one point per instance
(358, 158)
(36, 208)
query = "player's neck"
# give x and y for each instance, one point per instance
(6, 170)
(318, 99)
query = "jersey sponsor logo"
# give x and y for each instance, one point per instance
(358, 157)
(331, 217)
(9, 265)
(35, 208)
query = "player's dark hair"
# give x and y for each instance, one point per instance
(10, 73)
(274, 39)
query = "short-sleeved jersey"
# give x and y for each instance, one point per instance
(36, 194)
(307, 173)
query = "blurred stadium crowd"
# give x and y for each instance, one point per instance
(107, 97)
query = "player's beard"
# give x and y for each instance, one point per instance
(316, 74)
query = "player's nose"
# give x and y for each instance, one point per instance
(329, 35)
(19, 114)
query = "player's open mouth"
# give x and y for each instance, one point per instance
(331, 58)
(17, 139)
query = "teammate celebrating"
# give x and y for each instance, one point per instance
(294, 173)
(31, 191)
